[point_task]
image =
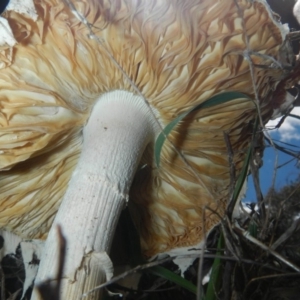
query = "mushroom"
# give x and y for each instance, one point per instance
(85, 91)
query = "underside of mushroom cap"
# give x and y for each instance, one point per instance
(178, 54)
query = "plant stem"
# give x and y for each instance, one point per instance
(118, 130)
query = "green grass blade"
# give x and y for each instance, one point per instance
(242, 176)
(253, 229)
(213, 101)
(216, 273)
(171, 276)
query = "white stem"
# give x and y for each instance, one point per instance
(114, 139)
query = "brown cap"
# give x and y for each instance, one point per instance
(178, 54)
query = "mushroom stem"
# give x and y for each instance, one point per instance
(118, 130)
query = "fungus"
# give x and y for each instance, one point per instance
(86, 89)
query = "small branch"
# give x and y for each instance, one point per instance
(132, 271)
(281, 121)
(155, 263)
(269, 277)
(287, 234)
(229, 237)
(247, 55)
(253, 240)
(276, 63)
(14, 295)
(294, 36)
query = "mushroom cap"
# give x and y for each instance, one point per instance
(178, 54)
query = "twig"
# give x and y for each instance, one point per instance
(281, 209)
(269, 277)
(247, 235)
(277, 64)
(14, 295)
(294, 36)
(230, 243)
(158, 262)
(286, 163)
(132, 271)
(287, 234)
(247, 56)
